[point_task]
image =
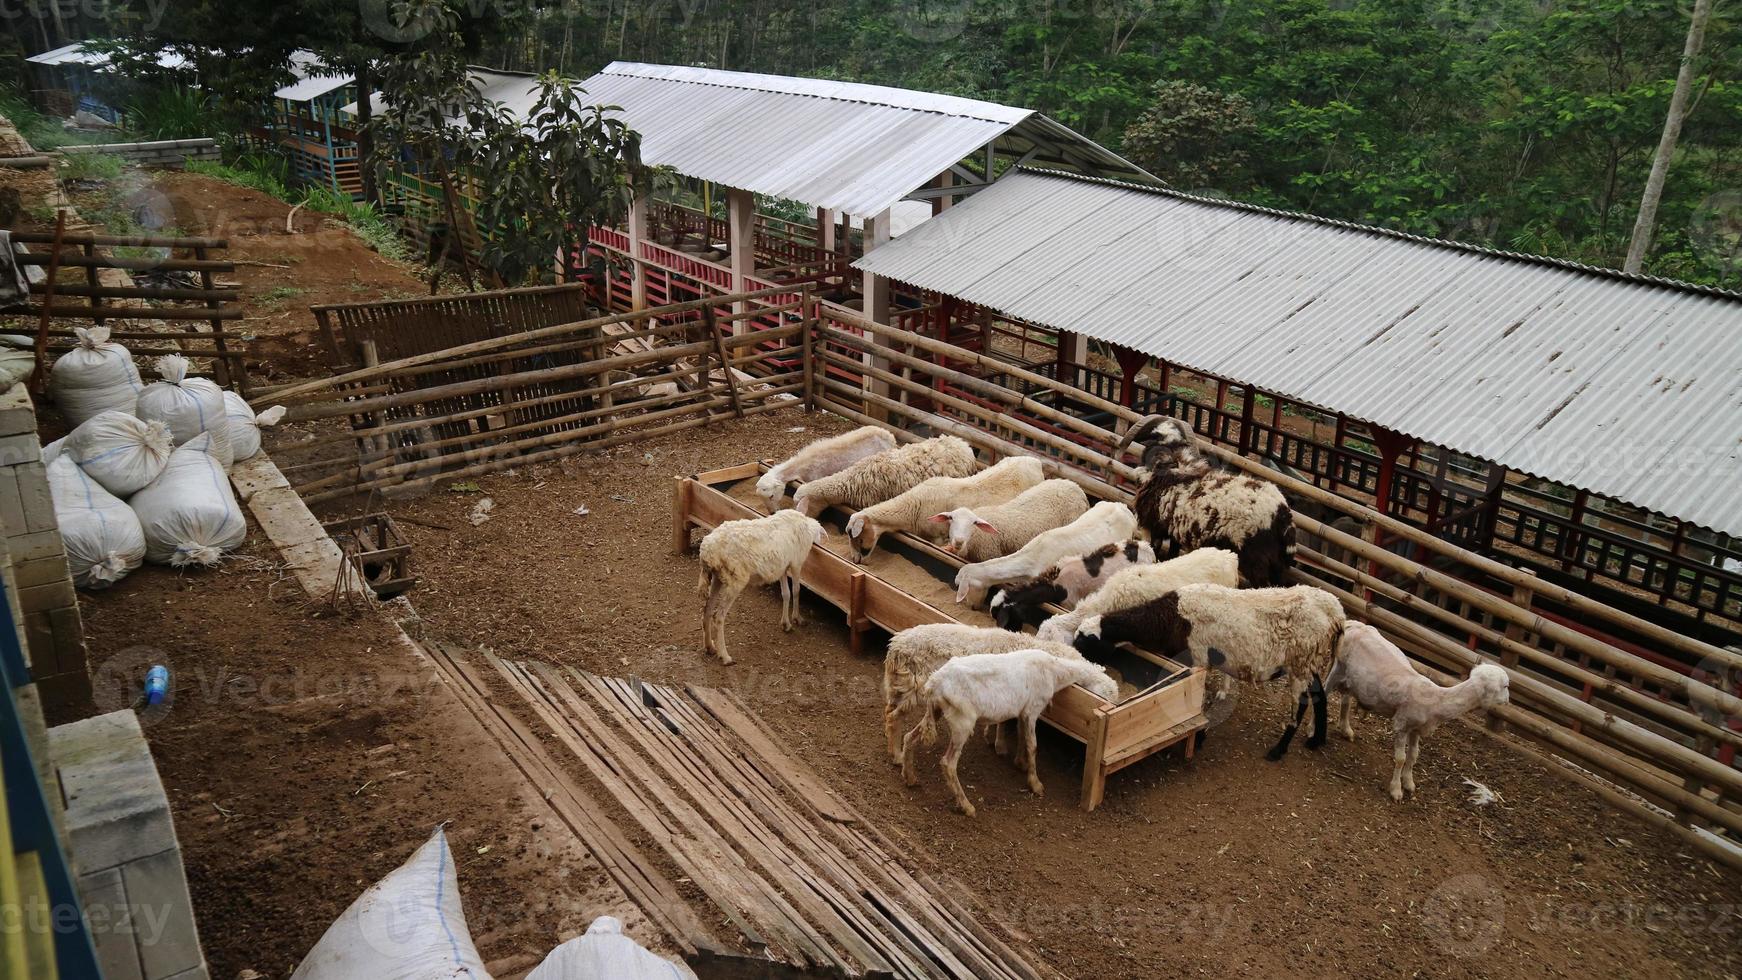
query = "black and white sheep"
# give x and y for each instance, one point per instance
(995, 687)
(1371, 671)
(824, 457)
(980, 534)
(885, 475)
(915, 652)
(1253, 635)
(1102, 524)
(1185, 503)
(1023, 602)
(1139, 584)
(912, 510)
(739, 554)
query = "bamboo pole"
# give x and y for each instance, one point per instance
(1513, 650)
(1647, 743)
(511, 340)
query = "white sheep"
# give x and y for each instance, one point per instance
(1253, 635)
(885, 475)
(1139, 584)
(1102, 524)
(912, 511)
(824, 457)
(996, 687)
(980, 534)
(1185, 503)
(1023, 603)
(1372, 671)
(915, 652)
(738, 554)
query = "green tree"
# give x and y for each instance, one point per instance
(1194, 137)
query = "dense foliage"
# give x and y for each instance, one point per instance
(1521, 123)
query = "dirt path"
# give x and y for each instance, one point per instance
(1229, 864)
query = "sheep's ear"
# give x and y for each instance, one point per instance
(940, 518)
(986, 526)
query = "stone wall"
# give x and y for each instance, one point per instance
(170, 154)
(54, 637)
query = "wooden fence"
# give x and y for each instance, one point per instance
(1651, 723)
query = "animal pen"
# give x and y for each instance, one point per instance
(473, 391)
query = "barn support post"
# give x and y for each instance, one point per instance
(1573, 540)
(638, 265)
(1073, 350)
(875, 295)
(741, 229)
(1247, 404)
(942, 202)
(1390, 445)
(825, 242)
(1130, 362)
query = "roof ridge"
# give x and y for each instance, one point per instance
(1546, 260)
(992, 112)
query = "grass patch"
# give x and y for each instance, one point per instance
(39, 130)
(90, 165)
(278, 294)
(169, 112)
(270, 175)
(258, 171)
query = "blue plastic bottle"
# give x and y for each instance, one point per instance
(156, 684)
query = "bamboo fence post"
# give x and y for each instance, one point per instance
(712, 325)
(39, 377)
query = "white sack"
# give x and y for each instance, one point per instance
(407, 926)
(93, 377)
(189, 406)
(15, 366)
(604, 953)
(245, 426)
(189, 514)
(101, 533)
(122, 452)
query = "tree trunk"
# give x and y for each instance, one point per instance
(1672, 129)
(366, 138)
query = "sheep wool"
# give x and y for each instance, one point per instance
(189, 406)
(739, 554)
(95, 376)
(121, 451)
(824, 457)
(914, 510)
(1139, 584)
(103, 538)
(244, 425)
(887, 474)
(189, 514)
(1048, 506)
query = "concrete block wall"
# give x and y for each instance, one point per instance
(124, 851)
(54, 639)
(168, 154)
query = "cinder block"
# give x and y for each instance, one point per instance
(36, 544)
(40, 571)
(250, 476)
(316, 565)
(33, 493)
(286, 520)
(17, 414)
(11, 506)
(116, 809)
(54, 595)
(22, 448)
(104, 897)
(169, 943)
(65, 698)
(197, 973)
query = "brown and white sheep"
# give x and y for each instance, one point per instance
(1373, 672)
(1143, 583)
(739, 554)
(824, 457)
(885, 475)
(1185, 503)
(1253, 635)
(1023, 602)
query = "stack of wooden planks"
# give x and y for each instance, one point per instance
(781, 856)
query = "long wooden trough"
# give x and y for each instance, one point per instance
(1165, 710)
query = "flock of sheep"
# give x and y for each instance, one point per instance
(1205, 588)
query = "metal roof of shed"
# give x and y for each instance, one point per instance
(78, 53)
(1627, 386)
(856, 148)
(313, 79)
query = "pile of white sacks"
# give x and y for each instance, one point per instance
(142, 476)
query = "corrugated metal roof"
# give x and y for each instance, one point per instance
(313, 79)
(855, 148)
(1627, 386)
(76, 54)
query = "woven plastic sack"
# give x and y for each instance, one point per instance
(15, 366)
(96, 376)
(121, 451)
(189, 406)
(604, 953)
(101, 533)
(189, 514)
(245, 426)
(407, 926)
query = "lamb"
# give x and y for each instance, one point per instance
(1254, 635)
(1372, 671)
(1023, 603)
(1185, 503)
(911, 511)
(738, 554)
(1102, 524)
(1142, 583)
(915, 652)
(885, 475)
(824, 457)
(980, 535)
(996, 687)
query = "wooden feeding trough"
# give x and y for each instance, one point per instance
(906, 583)
(377, 549)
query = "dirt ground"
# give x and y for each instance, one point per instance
(1229, 864)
